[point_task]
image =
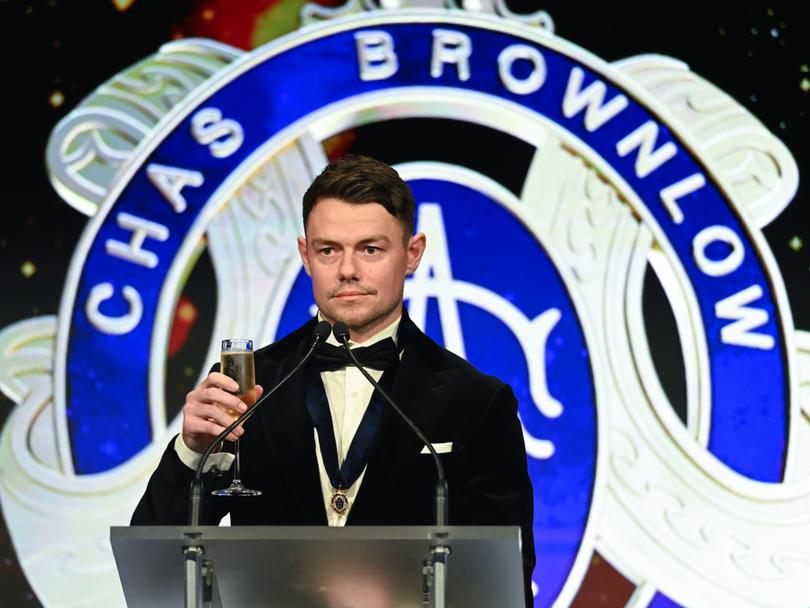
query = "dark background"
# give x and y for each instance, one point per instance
(757, 52)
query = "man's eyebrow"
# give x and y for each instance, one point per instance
(377, 238)
(324, 242)
(328, 242)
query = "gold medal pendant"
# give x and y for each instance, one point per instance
(339, 502)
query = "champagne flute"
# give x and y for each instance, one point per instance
(236, 362)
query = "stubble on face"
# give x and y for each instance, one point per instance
(355, 311)
(351, 283)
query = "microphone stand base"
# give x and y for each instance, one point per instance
(435, 573)
(194, 582)
(199, 576)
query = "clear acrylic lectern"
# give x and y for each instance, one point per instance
(319, 566)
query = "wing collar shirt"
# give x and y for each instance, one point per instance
(348, 394)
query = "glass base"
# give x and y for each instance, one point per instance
(236, 489)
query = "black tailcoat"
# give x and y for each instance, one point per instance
(447, 398)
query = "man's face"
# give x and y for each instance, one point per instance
(358, 260)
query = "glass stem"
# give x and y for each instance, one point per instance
(237, 475)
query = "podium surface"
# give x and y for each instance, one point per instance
(320, 566)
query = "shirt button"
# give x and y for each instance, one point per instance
(355, 394)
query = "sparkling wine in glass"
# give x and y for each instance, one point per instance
(236, 362)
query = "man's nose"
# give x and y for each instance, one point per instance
(348, 266)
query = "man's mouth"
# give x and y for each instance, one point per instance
(350, 294)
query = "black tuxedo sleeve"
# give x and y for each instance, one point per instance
(165, 501)
(497, 489)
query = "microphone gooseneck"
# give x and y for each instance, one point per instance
(341, 333)
(320, 334)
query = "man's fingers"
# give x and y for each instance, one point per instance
(217, 396)
(220, 380)
(201, 426)
(208, 411)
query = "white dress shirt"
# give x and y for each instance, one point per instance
(348, 394)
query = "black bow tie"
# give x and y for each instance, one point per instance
(377, 356)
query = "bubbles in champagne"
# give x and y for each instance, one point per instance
(239, 366)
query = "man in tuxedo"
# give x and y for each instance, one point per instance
(324, 448)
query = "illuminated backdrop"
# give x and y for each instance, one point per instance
(596, 219)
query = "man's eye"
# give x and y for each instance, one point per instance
(372, 250)
(327, 250)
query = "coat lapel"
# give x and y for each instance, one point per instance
(423, 391)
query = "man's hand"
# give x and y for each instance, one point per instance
(210, 408)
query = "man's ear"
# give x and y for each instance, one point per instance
(415, 249)
(302, 251)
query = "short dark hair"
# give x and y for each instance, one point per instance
(361, 179)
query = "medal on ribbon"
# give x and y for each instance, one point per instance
(342, 477)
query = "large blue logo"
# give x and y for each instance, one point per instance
(707, 234)
(135, 248)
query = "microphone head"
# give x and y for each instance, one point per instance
(341, 332)
(322, 331)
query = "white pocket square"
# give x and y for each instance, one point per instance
(441, 448)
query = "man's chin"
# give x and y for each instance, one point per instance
(352, 316)
(356, 318)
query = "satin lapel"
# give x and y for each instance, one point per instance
(291, 439)
(423, 396)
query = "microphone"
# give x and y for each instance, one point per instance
(320, 334)
(341, 333)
